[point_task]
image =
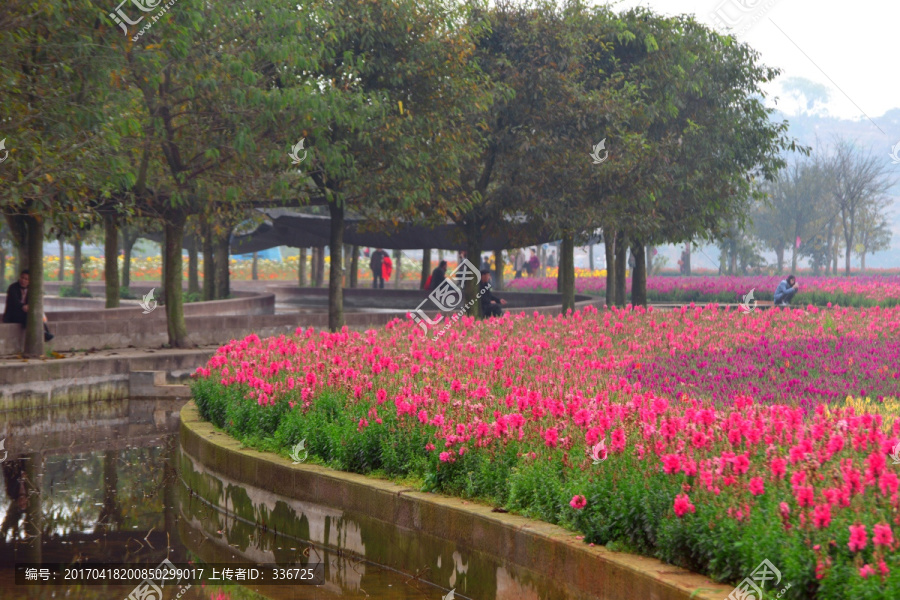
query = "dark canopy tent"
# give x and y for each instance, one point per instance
(302, 231)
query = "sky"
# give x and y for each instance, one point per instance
(850, 47)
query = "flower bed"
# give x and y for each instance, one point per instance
(571, 420)
(862, 290)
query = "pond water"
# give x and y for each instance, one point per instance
(109, 483)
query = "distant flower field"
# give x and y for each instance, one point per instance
(859, 290)
(710, 439)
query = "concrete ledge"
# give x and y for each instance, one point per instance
(152, 384)
(40, 384)
(587, 572)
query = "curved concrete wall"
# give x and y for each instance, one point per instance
(582, 571)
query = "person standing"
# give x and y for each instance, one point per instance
(533, 264)
(16, 310)
(551, 260)
(376, 263)
(437, 276)
(520, 263)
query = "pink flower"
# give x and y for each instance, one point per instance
(756, 486)
(578, 502)
(865, 571)
(883, 535)
(683, 505)
(822, 516)
(551, 436)
(857, 538)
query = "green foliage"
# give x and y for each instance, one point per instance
(71, 292)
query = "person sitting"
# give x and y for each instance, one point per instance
(490, 304)
(786, 290)
(16, 310)
(437, 276)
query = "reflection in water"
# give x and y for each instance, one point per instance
(122, 491)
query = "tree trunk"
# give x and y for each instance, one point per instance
(639, 276)
(498, 269)
(398, 268)
(336, 274)
(111, 259)
(34, 327)
(347, 259)
(621, 265)
(2, 267)
(193, 267)
(862, 263)
(61, 273)
(779, 255)
(173, 238)
(77, 277)
(687, 262)
(254, 268)
(794, 258)
(426, 267)
(609, 248)
(127, 248)
(313, 266)
(222, 245)
(847, 261)
(301, 268)
(320, 266)
(560, 272)
(473, 232)
(591, 258)
(209, 260)
(567, 254)
(354, 267)
(649, 252)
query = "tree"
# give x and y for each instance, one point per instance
(873, 230)
(54, 93)
(387, 84)
(860, 182)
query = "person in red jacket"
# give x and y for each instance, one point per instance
(386, 268)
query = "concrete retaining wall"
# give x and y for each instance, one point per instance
(587, 572)
(41, 384)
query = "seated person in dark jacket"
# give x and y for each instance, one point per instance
(16, 310)
(490, 304)
(438, 276)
